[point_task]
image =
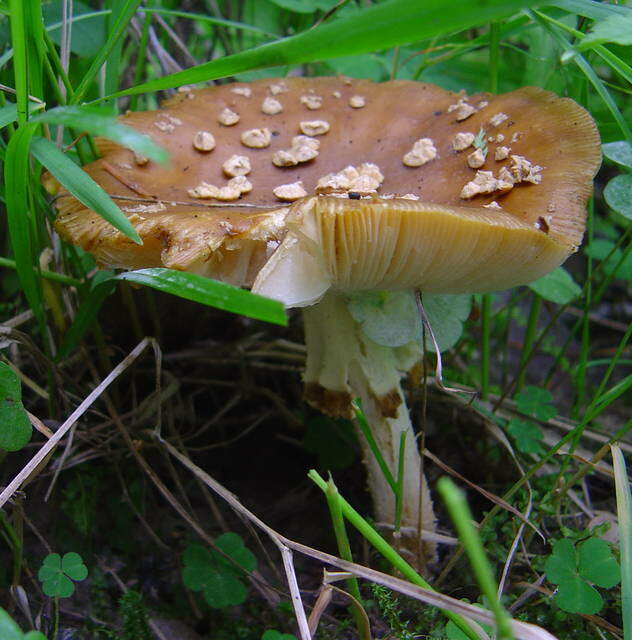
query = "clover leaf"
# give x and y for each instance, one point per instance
(537, 402)
(391, 318)
(557, 286)
(216, 577)
(16, 427)
(573, 569)
(527, 436)
(57, 574)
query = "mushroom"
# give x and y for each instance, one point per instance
(441, 226)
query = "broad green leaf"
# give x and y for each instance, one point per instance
(55, 571)
(210, 572)
(82, 186)
(619, 152)
(210, 292)
(232, 545)
(600, 249)
(72, 565)
(577, 596)
(446, 315)
(557, 286)
(34, 635)
(597, 564)
(98, 123)
(15, 426)
(616, 29)
(535, 401)
(224, 590)
(389, 318)
(561, 564)
(618, 195)
(528, 436)
(58, 586)
(378, 27)
(9, 630)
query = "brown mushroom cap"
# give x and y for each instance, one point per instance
(440, 242)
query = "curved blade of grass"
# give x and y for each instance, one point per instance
(590, 8)
(125, 14)
(550, 25)
(379, 27)
(470, 539)
(199, 17)
(624, 515)
(375, 450)
(185, 285)
(389, 554)
(20, 223)
(210, 292)
(95, 122)
(82, 186)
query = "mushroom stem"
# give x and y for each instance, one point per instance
(344, 364)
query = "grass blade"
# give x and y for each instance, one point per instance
(185, 285)
(462, 519)
(199, 17)
(20, 60)
(95, 122)
(385, 549)
(624, 515)
(210, 292)
(388, 24)
(375, 450)
(125, 14)
(82, 186)
(20, 218)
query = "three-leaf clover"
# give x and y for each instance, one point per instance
(210, 572)
(57, 574)
(575, 569)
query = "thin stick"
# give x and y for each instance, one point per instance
(522, 630)
(48, 446)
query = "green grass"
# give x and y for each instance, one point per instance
(58, 93)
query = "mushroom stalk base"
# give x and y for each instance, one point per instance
(344, 364)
